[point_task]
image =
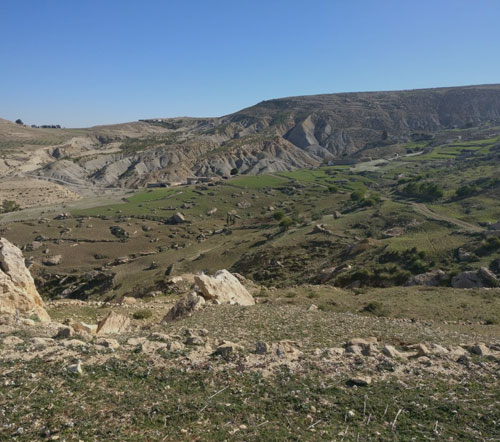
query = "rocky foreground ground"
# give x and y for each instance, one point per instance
(225, 361)
(220, 374)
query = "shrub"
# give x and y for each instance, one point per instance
(285, 223)
(142, 314)
(374, 308)
(9, 206)
(278, 215)
(467, 190)
(357, 195)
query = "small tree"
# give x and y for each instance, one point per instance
(19, 121)
(285, 223)
(234, 171)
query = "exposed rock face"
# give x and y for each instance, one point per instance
(305, 131)
(113, 323)
(185, 307)
(474, 279)
(431, 279)
(223, 288)
(17, 288)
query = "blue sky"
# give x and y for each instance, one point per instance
(80, 63)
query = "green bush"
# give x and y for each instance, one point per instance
(278, 215)
(374, 308)
(9, 206)
(142, 314)
(286, 222)
(358, 195)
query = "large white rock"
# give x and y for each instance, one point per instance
(223, 288)
(17, 288)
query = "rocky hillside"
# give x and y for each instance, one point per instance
(275, 135)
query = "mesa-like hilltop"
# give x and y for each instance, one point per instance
(274, 135)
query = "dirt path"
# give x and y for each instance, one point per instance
(424, 210)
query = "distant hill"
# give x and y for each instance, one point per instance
(274, 135)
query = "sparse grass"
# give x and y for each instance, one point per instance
(134, 402)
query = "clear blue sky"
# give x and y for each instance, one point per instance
(87, 62)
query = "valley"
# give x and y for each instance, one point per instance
(360, 234)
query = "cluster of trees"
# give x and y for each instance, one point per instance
(43, 126)
(477, 187)
(47, 126)
(423, 191)
(410, 259)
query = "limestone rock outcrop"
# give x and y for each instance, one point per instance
(223, 288)
(430, 279)
(475, 278)
(17, 287)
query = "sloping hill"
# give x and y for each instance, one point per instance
(272, 136)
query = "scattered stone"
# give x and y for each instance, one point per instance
(185, 307)
(42, 342)
(227, 349)
(439, 349)
(480, 350)
(64, 333)
(370, 350)
(195, 340)
(107, 343)
(62, 216)
(244, 204)
(152, 346)
(52, 260)
(74, 343)
(312, 308)
(362, 341)
(420, 349)
(391, 352)
(82, 327)
(354, 349)
(465, 256)
(76, 368)
(261, 348)
(128, 300)
(361, 381)
(113, 323)
(321, 228)
(134, 342)
(12, 341)
(177, 218)
(119, 232)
